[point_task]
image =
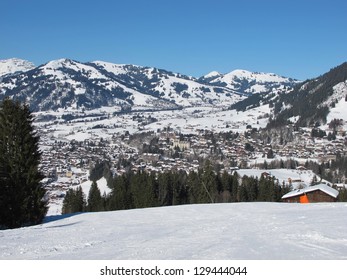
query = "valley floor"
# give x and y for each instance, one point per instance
(216, 231)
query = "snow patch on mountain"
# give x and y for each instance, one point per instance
(338, 111)
(339, 92)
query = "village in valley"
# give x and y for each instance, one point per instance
(179, 141)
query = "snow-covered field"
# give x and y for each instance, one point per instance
(215, 231)
(188, 120)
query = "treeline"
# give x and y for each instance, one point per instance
(140, 190)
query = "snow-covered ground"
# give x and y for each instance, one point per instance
(188, 120)
(339, 110)
(214, 231)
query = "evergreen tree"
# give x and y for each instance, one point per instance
(342, 195)
(165, 191)
(209, 184)
(263, 189)
(137, 184)
(74, 201)
(243, 195)
(180, 189)
(235, 187)
(143, 188)
(120, 197)
(152, 187)
(95, 201)
(194, 186)
(21, 192)
(226, 187)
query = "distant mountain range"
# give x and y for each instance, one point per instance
(70, 84)
(66, 83)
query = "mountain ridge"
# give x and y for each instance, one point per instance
(65, 83)
(307, 104)
(311, 101)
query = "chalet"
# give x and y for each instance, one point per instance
(316, 193)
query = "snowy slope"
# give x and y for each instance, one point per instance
(180, 89)
(339, 110)
(215, 231)
(13, 65)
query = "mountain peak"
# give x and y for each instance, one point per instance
(212, 75)
(58, 63)
(258, 76)
(13, 65)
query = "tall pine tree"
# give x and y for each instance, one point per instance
(95, 201)
(22, 200)
(74, 201)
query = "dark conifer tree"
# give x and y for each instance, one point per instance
(74, 201)
(152, 185)
(263, 189)
(194, 186)
(137, 183)
(235, 187)
(120, 197)
(208, 185)
(226, 187)
(243, 194)
(68, 202)
(95, 201)
(180, 189)
(22, 196)
(165, 191)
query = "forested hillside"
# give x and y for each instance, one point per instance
(308, 101)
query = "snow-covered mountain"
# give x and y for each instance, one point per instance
(14, 65)
(230, 231)
(314, 102)
(66, 83)
(249, 82)
(165, 85)
(311, 102)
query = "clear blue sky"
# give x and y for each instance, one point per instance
(300, 39)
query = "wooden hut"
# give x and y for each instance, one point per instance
(317, 193)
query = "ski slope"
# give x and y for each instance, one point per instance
(246, 231)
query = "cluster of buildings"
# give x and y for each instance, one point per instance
(163, 151)
(66, 163)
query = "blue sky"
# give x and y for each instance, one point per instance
(299, 39)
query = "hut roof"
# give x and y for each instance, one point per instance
(323, 187)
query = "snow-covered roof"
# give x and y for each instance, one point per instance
(323, 187)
